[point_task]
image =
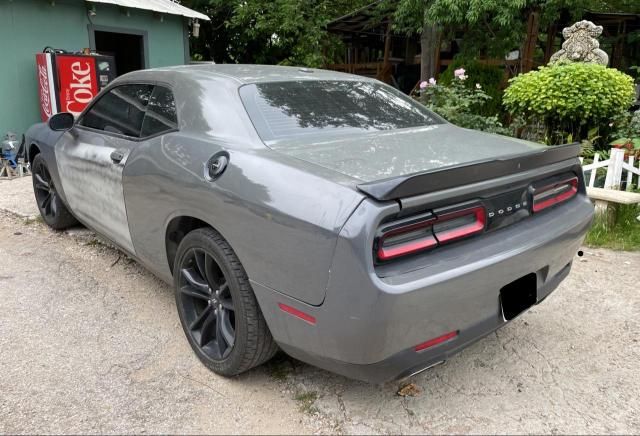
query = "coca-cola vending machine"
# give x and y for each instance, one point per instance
(68, 82)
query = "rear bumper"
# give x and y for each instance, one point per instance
(408, 362)
(368, 326)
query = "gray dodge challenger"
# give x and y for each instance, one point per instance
(324, 214)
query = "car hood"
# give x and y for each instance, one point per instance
(381, 155)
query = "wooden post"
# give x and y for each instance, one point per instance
(592, 176)
(618, 47)
(630, 174)
(605, 211)
(614, 170)
(430, 39)
(551, 39)
(533, 29)
(436, 62)
(386, 67)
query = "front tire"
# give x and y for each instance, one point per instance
(53, 211)
(216, 305)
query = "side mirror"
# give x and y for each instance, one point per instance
(61, 122)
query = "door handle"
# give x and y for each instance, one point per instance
(117, 156)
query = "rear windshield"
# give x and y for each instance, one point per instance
(281, 110)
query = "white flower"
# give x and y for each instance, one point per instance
(478, 86)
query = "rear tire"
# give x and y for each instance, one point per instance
(52, 209)
(217, 307)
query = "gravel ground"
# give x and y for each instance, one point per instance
(91, 343)
(17, 196)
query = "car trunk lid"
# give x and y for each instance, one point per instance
(402, 163)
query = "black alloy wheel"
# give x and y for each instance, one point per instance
(208, 305)
(50, 205)
(218, 309)
(45, 191)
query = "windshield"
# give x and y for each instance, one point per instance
(281, 110)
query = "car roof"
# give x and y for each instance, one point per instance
(239, 73)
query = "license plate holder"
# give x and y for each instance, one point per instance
(518, 296)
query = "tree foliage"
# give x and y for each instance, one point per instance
(494, 27)
(269, 31)
(293, 31)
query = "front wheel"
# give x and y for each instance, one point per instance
(53, 211)
(216, 305)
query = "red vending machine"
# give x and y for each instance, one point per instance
(68, 82)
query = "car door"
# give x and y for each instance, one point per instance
(92, 156)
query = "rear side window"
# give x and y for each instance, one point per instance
(161, 113)
(282, 110)
(120, 111)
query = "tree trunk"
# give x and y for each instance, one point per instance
(385, 74)
(430, 44)
(531, 42)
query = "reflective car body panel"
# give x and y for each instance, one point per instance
(246, 205)
(372, 156)
(93, 183)
(305, 233)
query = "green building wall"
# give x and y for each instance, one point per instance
(27, 26)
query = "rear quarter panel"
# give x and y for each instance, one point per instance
(281, 218)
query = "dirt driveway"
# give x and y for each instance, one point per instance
(91, 343)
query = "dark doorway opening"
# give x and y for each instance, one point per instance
(126, 48)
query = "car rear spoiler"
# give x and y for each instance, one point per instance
(456, 175)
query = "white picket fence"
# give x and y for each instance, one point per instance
(616, 166)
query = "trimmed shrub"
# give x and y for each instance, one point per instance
(569, 98)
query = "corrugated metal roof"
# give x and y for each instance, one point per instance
(162, 6)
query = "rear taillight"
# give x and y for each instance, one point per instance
(459, 224)
(407, 237)
(429, 231)
(554, 193)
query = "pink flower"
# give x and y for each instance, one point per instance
(460, 74)
(424, 84)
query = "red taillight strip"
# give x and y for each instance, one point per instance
(435, 341)
(432, 239)
(428, 241)
(297, 313)
(466, 230)
(564, 196)
(406, 248)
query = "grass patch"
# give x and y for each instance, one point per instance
(279, 371)
(94, 242)
(623, 235)
(33, 220)
(280, 367)
(306, 401)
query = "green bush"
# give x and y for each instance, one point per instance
(460, 104)
(570, 98)
(490, 77)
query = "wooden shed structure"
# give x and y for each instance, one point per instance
(373, 49)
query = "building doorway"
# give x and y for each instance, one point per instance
(128, 49)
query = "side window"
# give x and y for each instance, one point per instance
(161, 113)
(121, 110)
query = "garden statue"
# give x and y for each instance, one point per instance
(581, 44)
